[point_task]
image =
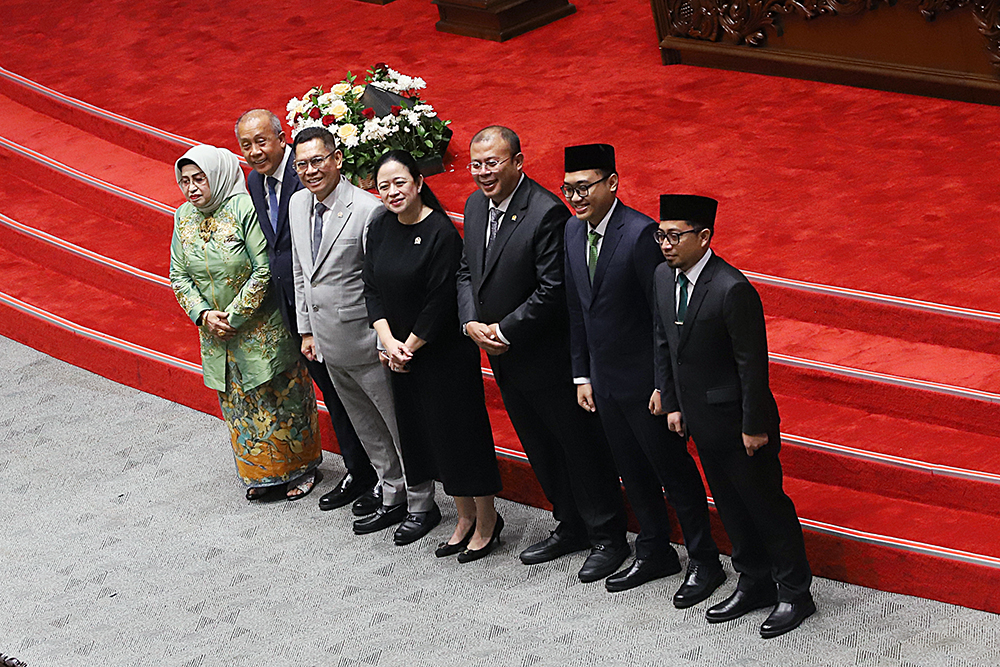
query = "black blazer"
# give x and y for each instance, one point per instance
(611, 322)
(714, 368)
(279, 246)
(520, 284)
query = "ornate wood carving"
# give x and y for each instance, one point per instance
(987, 15)
(749, 21)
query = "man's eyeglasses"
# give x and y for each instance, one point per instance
(315, 162)
(486, 165)
(581, 191)
(671, 237)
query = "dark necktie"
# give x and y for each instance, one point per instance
(592, 251)
(682, 302)
(272, 202)
(318, 228)
(495, 214)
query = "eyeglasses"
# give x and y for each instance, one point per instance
(581, 191)
(314, 162)
(199, 179)
(486, 165)
(673, 238)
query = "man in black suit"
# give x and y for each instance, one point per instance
(272, 183)
(512, 303)
(611, 256)
(712, 380)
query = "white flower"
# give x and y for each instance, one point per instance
(338, 109)
(327, 98)
(412, 117)
(358, 91)
(352, 141)
(341, 89)
(293, 105)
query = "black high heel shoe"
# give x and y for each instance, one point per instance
(444, 549)
(470, 555)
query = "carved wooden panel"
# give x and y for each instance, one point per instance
(738, 34)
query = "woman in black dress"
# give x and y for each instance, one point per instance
(411, 258)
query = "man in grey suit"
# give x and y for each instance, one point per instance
(329, 223)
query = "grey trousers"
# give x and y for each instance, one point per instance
(367, 397)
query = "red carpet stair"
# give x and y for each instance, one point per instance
(891, 445)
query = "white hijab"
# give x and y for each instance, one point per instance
(222, 167)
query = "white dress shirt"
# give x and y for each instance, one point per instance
(692, 276)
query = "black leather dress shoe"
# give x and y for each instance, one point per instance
(603, 560)
(384, 517)
(444, 549)
(787, 616)
(699, 583)
(742, 602)
(348, 489)
(641, 571)
(552, 547)
(416, 525)
(369, 501)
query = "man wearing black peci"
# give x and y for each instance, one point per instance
(610, 260)
(712, 383)
(512, 303)
(272, 183)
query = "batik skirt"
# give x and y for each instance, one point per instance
(274, 427)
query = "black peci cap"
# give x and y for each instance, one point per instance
(590, 156)
(690, 208)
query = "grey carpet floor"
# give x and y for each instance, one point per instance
(126, 541)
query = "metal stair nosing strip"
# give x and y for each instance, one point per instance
(78, 175)
(96, 111)
(874, 376)
(810, 524)
(791, 283)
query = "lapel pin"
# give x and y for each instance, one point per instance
(513, 217)
(340, 214)
(416, 241)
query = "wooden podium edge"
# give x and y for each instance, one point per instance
(833, 69)
(502, 34)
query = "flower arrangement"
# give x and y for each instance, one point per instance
(368, 120)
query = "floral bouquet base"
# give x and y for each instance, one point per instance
(386, 114)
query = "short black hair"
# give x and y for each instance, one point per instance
(321, 133)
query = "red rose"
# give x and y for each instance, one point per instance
(296, 119)
(314, 113)
(328, 121)
(396, 110)
(381, 67)
(368, 113)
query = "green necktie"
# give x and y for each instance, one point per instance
(682, 303)
(593, 237)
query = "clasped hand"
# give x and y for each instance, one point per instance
(217, 323)
(396, 356)
(486, 337)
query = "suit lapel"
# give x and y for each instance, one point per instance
(255, 183)
(698, 297)
(511, 219)
(337, 220)
(290, 184)
(612, 236)
(576, 248)
(475, 235)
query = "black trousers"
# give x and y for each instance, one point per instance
(758, 516)
(652, 459)
(355, 458)
(570, 457)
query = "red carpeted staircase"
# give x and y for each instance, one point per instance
(889, 404)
